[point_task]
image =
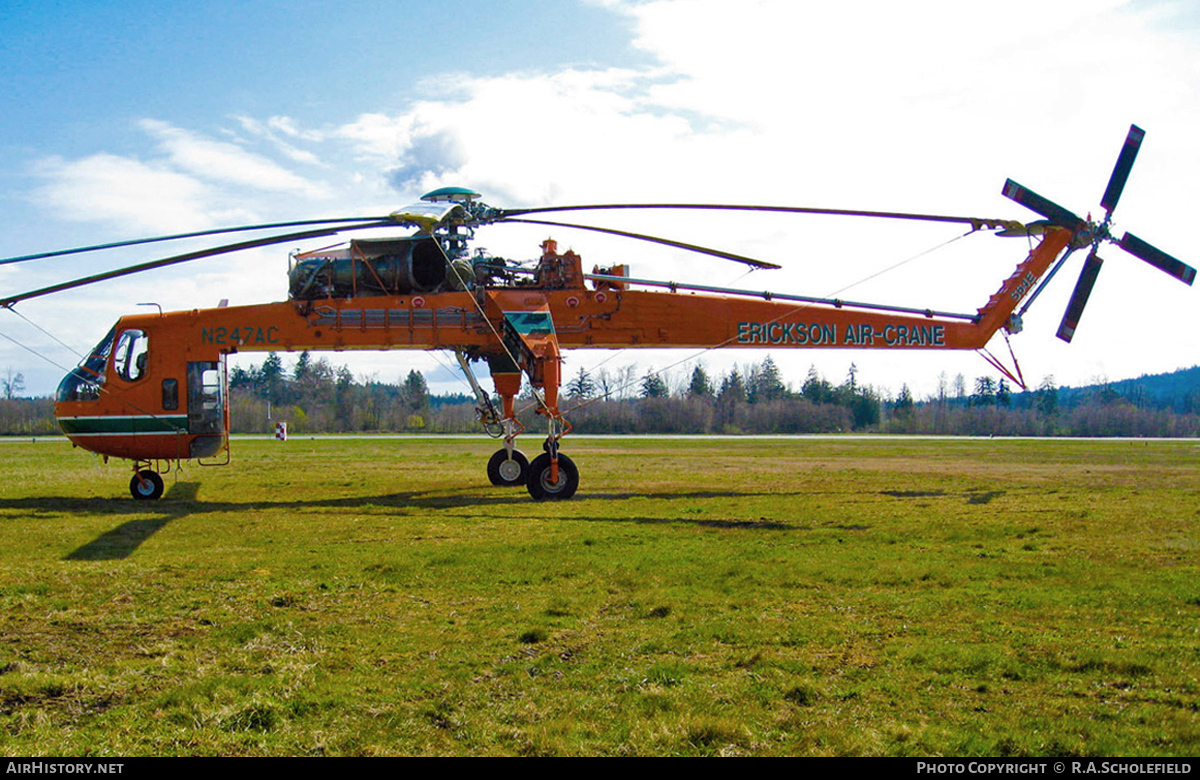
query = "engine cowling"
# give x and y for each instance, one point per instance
(394, 266)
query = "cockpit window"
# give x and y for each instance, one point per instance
(129, 361)
(85, 381)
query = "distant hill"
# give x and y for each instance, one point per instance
(1178, 391)
(1159, 405)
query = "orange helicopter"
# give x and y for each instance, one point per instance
(154, 389)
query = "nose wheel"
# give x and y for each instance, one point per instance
(504, 471)
(146, 485)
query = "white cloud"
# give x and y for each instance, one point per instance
(225, 162)
(270, 130)
(377, 135)
(289, 127)
(130, 194)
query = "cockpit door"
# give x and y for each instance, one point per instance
(206, 406)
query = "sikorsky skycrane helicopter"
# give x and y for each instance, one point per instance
(153, 390)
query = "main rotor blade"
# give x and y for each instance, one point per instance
(134, 269)
(1047, 208)
(750, 261)
(1158, 258)
(197, 234)
(1120, 174)
(1079, 298)
(975, 222)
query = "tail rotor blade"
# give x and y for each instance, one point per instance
(1158, 258)
(1079, 298)
(1047, 208)
(1120, 174)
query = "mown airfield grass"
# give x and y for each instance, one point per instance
(828, 596)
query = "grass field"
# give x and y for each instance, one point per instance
(827, 596)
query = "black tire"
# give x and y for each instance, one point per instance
(146, 485)
(503, 473)
(539, 484)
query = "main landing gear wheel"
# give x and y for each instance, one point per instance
(504, 472)
(539, 484)
(146, 485)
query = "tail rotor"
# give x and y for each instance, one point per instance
(1093, 233)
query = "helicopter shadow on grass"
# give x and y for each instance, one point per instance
(182, 500)
(737, 525)
(120, 542)
(760, 524)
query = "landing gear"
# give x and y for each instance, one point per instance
(542, 486)
(529, 346)
(146, 485)
(504, 471)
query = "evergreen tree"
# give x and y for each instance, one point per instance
(1103, 393)
(581, 387)
(699, 387)
(730, 398)
(271, 378)
(1046, 398)
(816, 389)
(246, 379)
(864, 407)
(765, 383)
(302, 366)
(344, 392)
(1003, 395)
(985, 391)
(414, 393)
(653, 386)
(414, 401)
(733, 390)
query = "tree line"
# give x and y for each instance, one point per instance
(1101, 409)
(750, 399)
(317, 397)
(747, 399)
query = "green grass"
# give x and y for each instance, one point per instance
(828, 596)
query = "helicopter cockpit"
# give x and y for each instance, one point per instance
(85, 381)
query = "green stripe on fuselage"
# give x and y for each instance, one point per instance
(124, 425)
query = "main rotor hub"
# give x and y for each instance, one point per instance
(451, 194)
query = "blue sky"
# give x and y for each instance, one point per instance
(87, 68)
(141, 118)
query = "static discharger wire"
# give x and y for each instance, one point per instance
(455, 372)
(62, 343)
(35, 353)
(617, 353)
(835, 293)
